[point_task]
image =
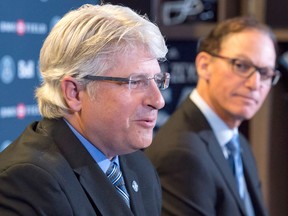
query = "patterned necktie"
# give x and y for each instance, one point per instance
(115, 176)
(234, 158)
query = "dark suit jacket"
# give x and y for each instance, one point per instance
(195, 176)
(47, 171)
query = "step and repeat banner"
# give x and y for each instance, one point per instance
(24, 25)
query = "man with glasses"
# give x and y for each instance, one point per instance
(99, 100)
(206, 166)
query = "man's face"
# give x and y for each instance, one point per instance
(119, 120)
(233, 97)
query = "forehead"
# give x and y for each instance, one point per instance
(252, 38)
(135, 62)
(253, 44)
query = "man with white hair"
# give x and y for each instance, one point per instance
(99, 100)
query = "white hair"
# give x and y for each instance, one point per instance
(83, 43)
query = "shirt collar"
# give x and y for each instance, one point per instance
(95, 153)
(222, 132)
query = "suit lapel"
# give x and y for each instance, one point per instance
(217, 155)
(133, 188)
(101, 191)
(252, 180)
(202, 127)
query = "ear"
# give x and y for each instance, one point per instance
(71, 92)
(202, 63)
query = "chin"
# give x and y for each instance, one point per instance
(146, 142)
(245, 116)
(246, 113)
(139, 143)
(146, 146)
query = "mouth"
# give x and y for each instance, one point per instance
(248, 99)
(148, 123)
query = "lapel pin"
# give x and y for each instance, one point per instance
(135, 186)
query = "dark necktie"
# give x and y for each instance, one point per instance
(115, 176)
(234, 158)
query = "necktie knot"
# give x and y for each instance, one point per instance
(233, 145)
(114, 175)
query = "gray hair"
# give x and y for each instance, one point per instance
(83, 43)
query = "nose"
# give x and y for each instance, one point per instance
(154, 97)
(253, 81)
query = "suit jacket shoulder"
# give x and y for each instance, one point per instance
(195, 176)
(48, 164)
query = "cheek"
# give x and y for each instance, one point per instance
(221, 88)
(118, 108)
(263, 95)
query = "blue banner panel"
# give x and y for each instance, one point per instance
(24, 25)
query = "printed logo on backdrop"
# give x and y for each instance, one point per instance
(20, 27)
(24, 69)
(184, 11)
(7, 69)
(20, 111)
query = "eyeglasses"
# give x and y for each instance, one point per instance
(245, 69)
(136, 81)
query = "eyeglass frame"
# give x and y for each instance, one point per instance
(274, 79)
(121, 80)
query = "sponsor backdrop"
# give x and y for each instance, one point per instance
(23, 27)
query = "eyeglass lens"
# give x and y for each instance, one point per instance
(141, 81)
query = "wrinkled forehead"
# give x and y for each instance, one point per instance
(138, 61)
